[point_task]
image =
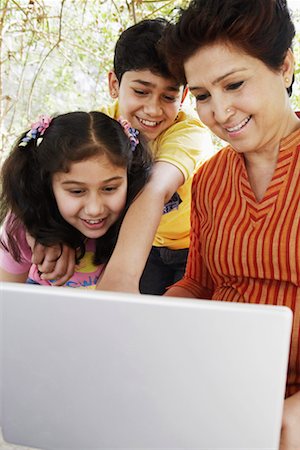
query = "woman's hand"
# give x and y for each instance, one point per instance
(290, 432)
(55, 263)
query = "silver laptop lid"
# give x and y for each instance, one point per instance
(97, 370)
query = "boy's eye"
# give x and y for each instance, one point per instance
(170, 98)
(234, 86)
(139, 92)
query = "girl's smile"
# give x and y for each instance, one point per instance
(91, 195)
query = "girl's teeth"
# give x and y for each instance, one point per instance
(92, 222)
(239, 126)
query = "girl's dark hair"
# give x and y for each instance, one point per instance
(261, 28)
(27, 178)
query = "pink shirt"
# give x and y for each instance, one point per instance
(86, 272)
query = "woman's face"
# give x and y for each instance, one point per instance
(239, 98)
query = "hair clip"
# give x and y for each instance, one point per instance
(131, 133)
(36, 131)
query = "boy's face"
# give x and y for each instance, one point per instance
(148, 101)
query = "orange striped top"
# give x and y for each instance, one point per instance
(243, 250)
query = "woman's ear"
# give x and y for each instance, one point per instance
(288, 68)
(113, 84)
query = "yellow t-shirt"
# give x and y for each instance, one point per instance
(186, 144)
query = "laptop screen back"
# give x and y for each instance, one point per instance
(98, 370)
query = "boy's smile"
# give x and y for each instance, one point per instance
(150, 102)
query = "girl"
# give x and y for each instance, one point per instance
(69, 180)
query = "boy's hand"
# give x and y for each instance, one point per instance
(118, 283)
(55, 263)
(60, 269)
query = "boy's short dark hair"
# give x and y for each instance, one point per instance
(137, 49)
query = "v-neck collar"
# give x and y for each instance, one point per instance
(259, 209)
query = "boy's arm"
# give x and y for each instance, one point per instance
(138, 229)
(55, 263)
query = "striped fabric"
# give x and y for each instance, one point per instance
(248, 251)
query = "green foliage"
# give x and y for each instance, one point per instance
(56, 55)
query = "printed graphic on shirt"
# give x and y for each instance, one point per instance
(86, 273)
(172, 204)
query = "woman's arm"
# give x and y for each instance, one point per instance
(177, 291)
(290, 432)
(138, 229)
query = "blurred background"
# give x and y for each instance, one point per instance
(55, 55)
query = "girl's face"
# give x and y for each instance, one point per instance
(239, 98)
(92, 195)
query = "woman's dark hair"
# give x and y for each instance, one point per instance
(261, 28)
(27, 178)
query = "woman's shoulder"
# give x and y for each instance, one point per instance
(221, 157)
(212, 172)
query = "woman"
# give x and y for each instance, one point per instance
(245, 224)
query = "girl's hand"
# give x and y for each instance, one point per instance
(290, 432)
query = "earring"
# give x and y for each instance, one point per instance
(287, 80)
(114, 94)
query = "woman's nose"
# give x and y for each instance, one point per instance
(222, 111)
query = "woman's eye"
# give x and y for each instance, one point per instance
(234, 86)
(202, 97)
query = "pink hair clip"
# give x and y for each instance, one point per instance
(131, 133)
(36, 131)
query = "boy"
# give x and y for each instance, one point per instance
(150, 99)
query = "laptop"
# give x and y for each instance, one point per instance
(87, 370)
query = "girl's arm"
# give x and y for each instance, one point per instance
(138, 229)
(11, 270)
(13, 277)
(290, 432)
(55, 263)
